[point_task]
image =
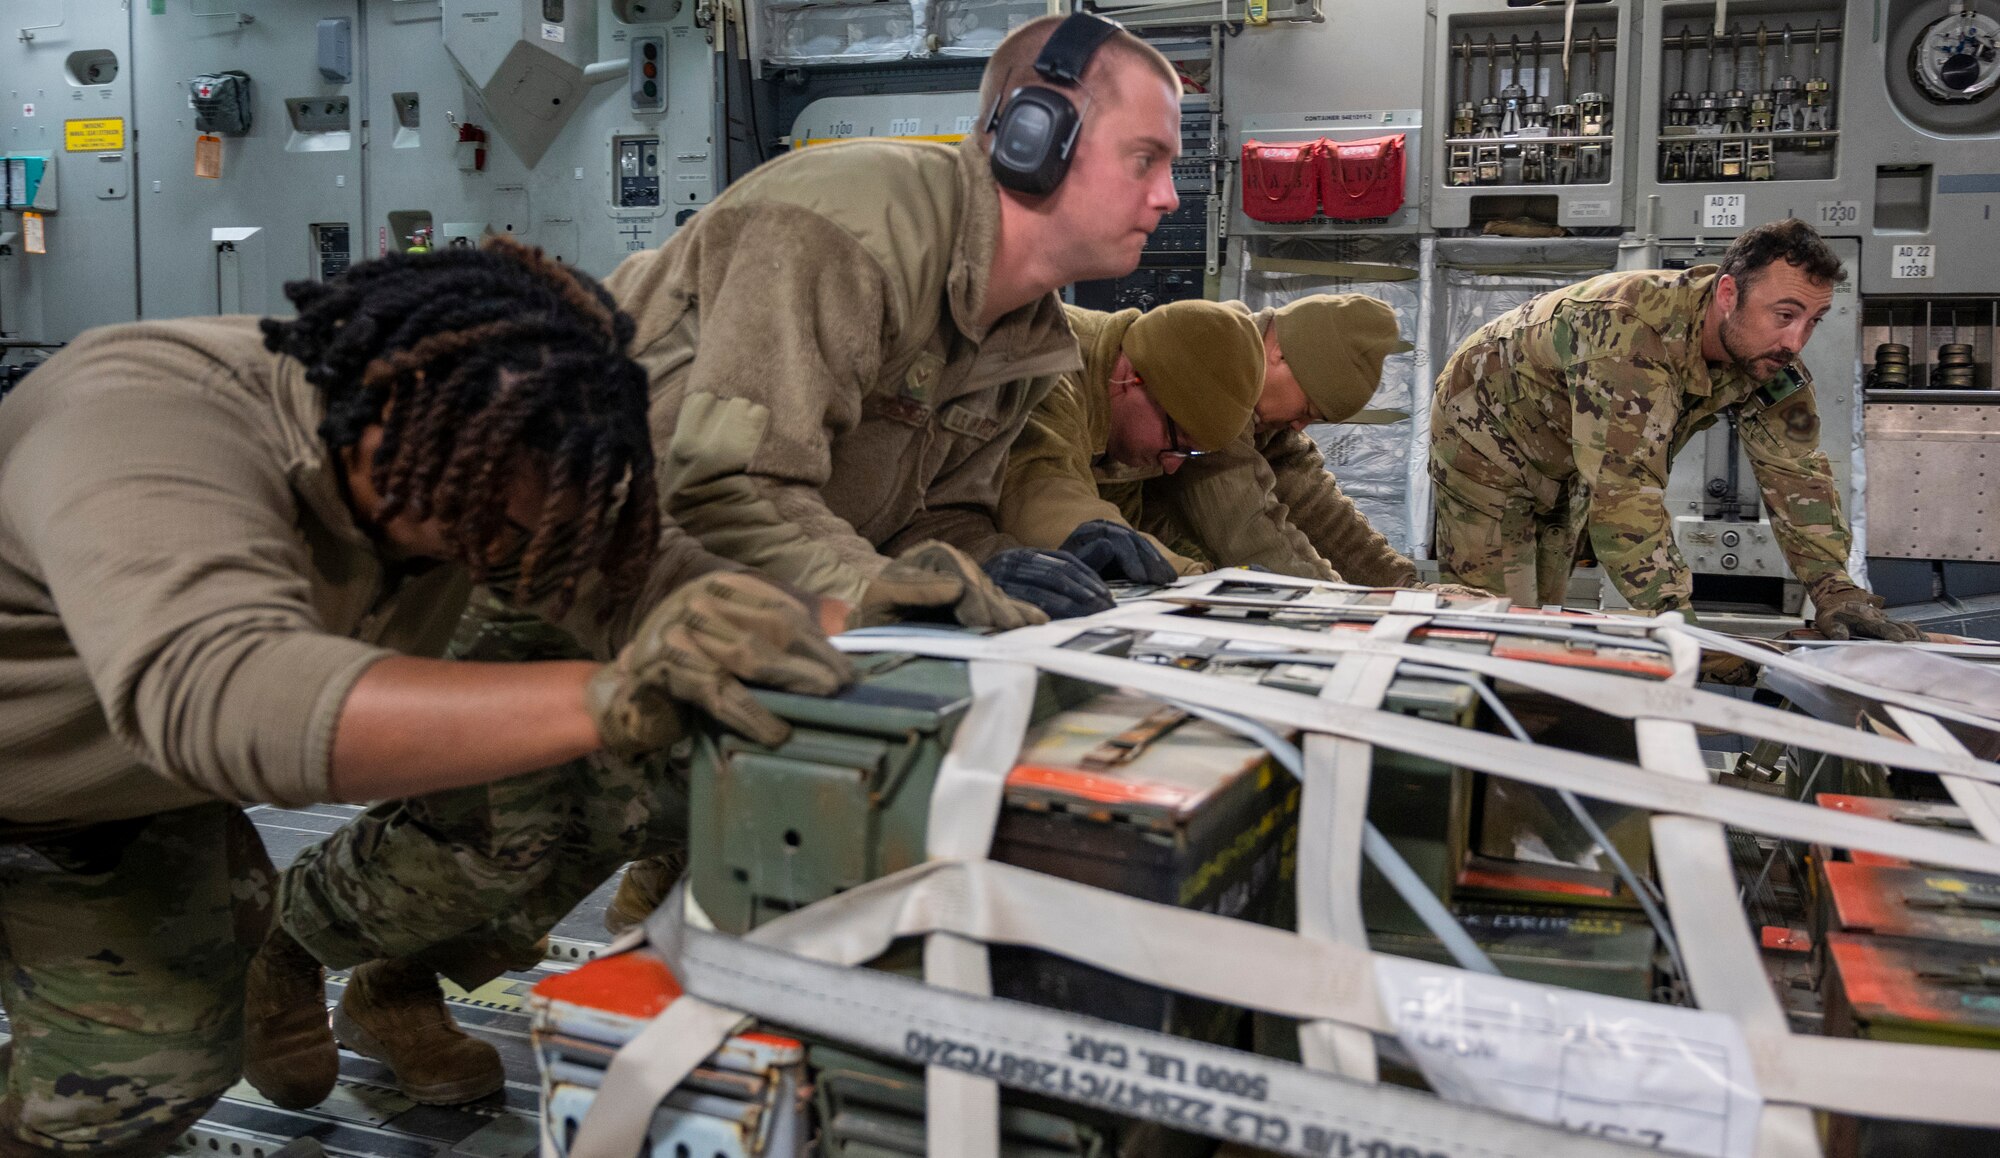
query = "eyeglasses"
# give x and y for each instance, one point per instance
(1179, 451)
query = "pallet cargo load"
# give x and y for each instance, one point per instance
(1060, 891)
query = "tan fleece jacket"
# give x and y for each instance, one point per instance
(1309, 527)
(1059, 475)
(823, 396)
(1223, 509)
(184, 598)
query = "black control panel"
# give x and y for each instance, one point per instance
(1141, 290)
(332, 251)
(638, 160)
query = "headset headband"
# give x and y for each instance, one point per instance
(1071, 46)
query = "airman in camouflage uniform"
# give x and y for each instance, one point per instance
(1561, 418)
(126, 944)
(256, 628)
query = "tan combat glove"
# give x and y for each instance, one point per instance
(1458, 591)
(694, 648)
(1852, 612)
(1720, 667)
(939, 578)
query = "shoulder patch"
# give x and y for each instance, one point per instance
(1787, 402)
(1787, 383)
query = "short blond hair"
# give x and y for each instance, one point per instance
(1013, 63)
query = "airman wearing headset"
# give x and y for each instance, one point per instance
(845, 344)
(841, 350)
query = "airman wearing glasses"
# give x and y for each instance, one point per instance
(1120, 471)
(1268, 499)
(1157, 391)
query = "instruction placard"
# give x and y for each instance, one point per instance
(95, 135)
(1656, 1076)
(1913, 261)
(1722, 211)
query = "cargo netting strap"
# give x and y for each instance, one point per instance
(794, 971)
(1734, 1055)
(1981, 802)
(1334, 802)
(1715, 951)
(962, 1111)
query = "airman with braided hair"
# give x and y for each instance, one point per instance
(226, 553)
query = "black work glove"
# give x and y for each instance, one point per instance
(1055, 581)
(1116, 551)
(932, 577)
(1853, 612)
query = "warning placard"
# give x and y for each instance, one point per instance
(98, 135)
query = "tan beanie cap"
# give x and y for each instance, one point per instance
(1335, 344)
(1203, 362)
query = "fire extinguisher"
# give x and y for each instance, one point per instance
(471, 145)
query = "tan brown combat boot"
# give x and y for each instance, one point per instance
(288, 1050)
(646, 883)
(394, 1012)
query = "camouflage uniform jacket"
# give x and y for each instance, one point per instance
(823, 392)
(1583, 395)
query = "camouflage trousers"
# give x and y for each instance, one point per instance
(1508, 540)
(468, 880)
(122, 954)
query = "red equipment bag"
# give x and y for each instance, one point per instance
(1362, 179)
(1281, 180)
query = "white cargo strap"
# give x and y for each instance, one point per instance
(1617, 696)
(1981, 802)
(1586, 775)
(1383, 855)
(1410, 599)
(644, 1071)
(1333, 810)
(962, 1111)
(1291, 976)
(1197, 953)
(1206, 588)
(1846, 1064)
(1492, 611)
(1929, 705)
(1151, 1076)
(1725, 972)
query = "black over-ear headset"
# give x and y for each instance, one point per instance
(1034, 128)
